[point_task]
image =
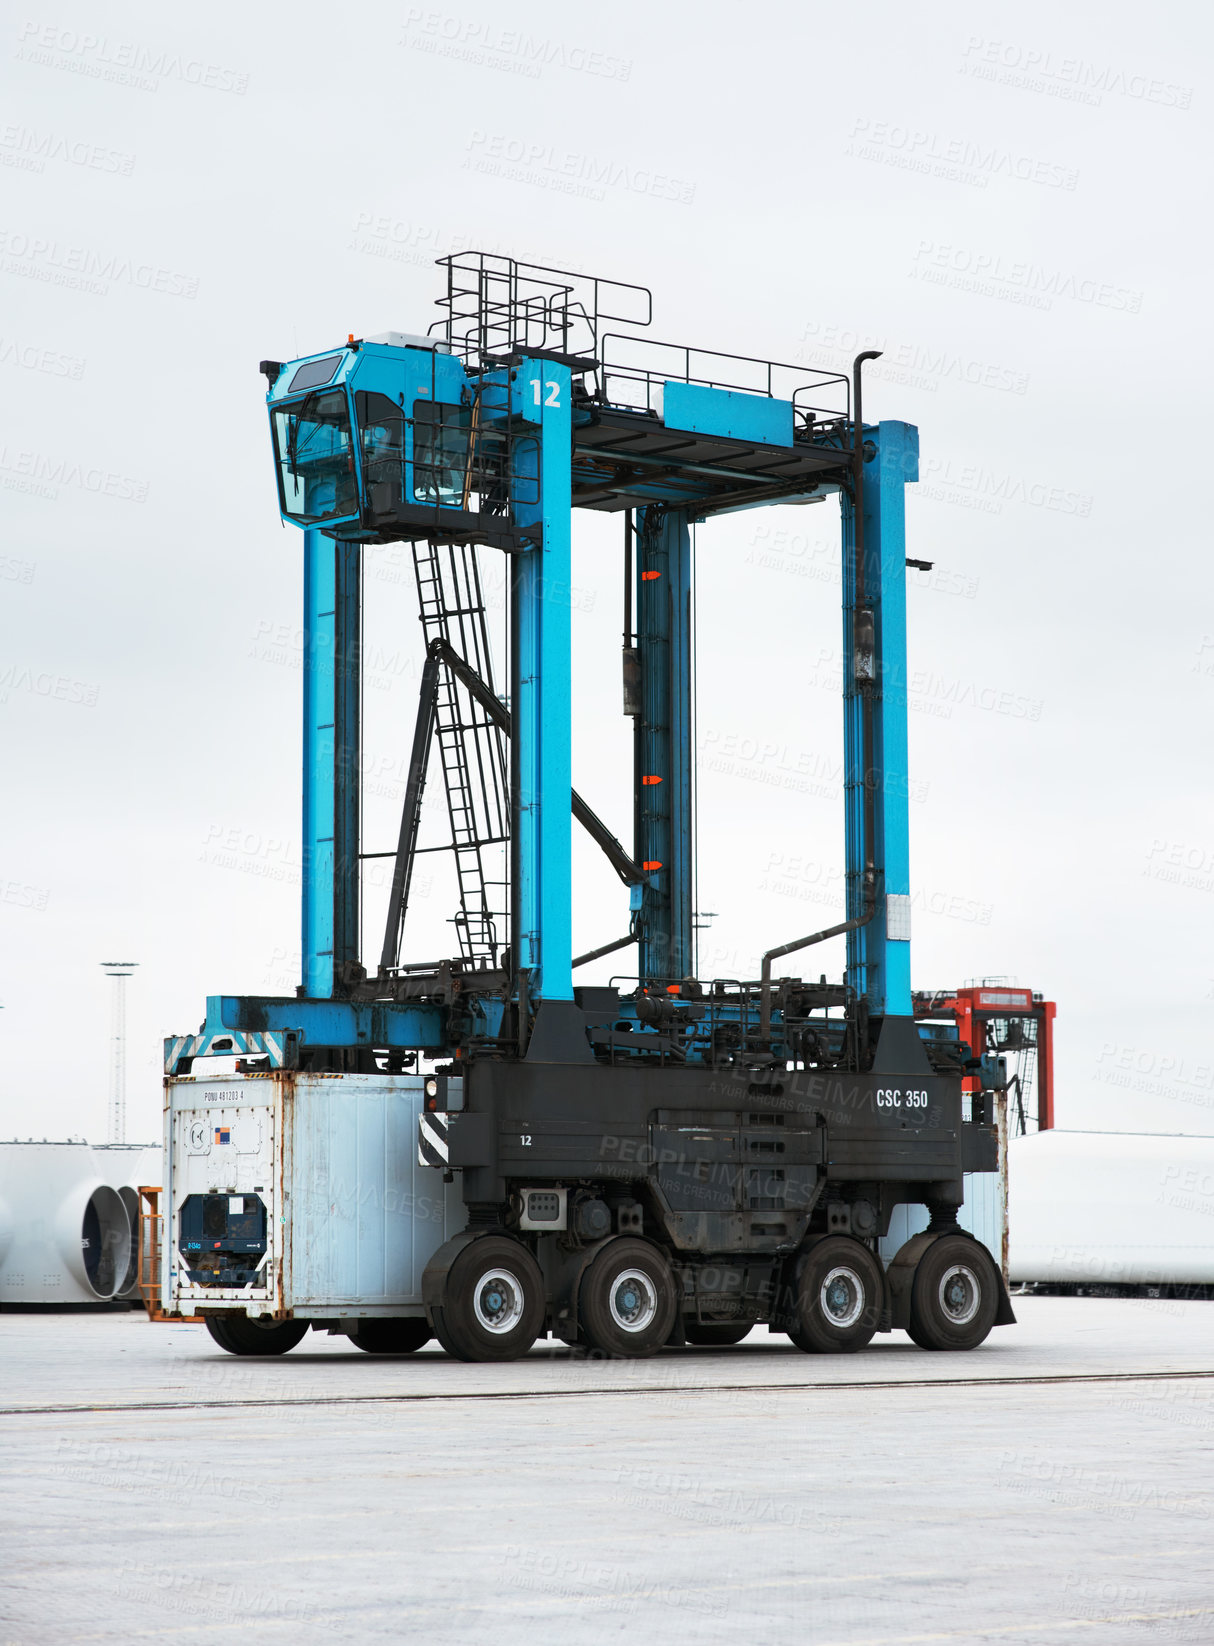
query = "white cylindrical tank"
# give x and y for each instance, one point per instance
(128, 1167)
(67, 1234)
(1111, 1209)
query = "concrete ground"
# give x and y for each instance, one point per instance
(1055, 1485)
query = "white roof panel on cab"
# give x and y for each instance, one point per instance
(408, 340)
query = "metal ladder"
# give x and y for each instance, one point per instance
(471, 748)
(1025, 1082)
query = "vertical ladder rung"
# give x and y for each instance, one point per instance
(457, 737)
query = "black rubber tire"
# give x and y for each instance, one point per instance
(469, 1336)
(391, 1337)
(957, 1315)
(858, 1287)
(241, 1336)
(602, 1326)
(717, 1334)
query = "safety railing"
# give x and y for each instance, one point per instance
(495, 306)
(633, 370)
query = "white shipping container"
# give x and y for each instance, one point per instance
(1111, 1208)
(352, 1218)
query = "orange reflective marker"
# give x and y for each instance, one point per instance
(653, 864)
(674, 988)
(648, 577)
(648, 780)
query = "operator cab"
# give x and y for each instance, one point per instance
(372, 441)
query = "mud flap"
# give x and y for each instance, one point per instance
(1005, 1315)
(434, 1277)
(900, 1277)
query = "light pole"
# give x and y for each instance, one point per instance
(119, 970)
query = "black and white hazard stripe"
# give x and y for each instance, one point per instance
(432, 1138)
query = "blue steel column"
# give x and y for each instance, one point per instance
(541, 685)
(878, 965)
(347, 668)
(329, 914)
(663, 606)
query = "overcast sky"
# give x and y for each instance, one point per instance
(1008, 201)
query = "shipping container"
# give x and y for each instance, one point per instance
(300, 1194)
(1111, 1209)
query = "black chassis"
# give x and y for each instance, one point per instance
(731, 1171)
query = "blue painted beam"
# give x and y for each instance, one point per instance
(741, 416)
(330, 1022)
(319, 762)
(878, 955)
(541, 684)
(665, 791)
(329, 917)
(347, 665)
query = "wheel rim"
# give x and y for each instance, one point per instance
(633, 1300)
(841, 1296)
(497, 1301)
(960, 1294)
